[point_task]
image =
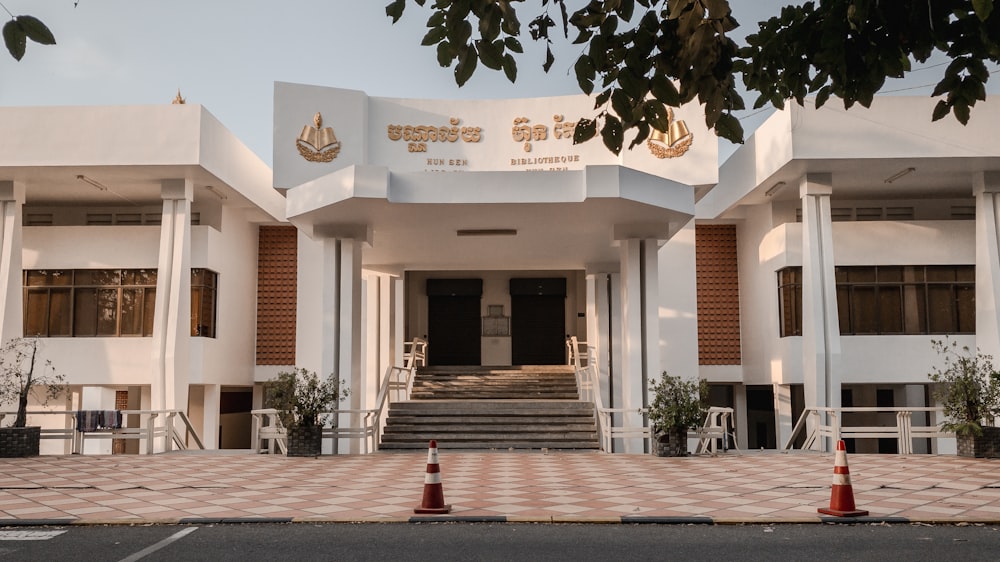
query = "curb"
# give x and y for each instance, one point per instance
(557, 520)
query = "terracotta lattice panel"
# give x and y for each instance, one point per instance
(277, 279)
(718, 295)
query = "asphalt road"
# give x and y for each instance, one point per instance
(501, 541)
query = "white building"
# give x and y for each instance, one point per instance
(388, 219)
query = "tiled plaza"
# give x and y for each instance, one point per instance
(522, 486)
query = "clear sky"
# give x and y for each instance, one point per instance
(227, 54)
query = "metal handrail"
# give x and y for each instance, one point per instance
(397, 385)
(904, 431)
(150, 431)
(588, 381)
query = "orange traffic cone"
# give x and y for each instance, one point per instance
(841, 493)
(433, 501)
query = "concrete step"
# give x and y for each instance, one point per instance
(492, 408)
(586, 445)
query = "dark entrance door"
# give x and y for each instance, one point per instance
(538, 321)
(453, 319)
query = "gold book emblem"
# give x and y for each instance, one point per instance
(317, 143)
(673, 143)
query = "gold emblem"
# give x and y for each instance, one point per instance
(318, 143)
(675, 142)
(179, 100)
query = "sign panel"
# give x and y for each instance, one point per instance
(320, 130)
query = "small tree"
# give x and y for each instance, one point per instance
(970, 388)
(303, 398)
(23, 373)
(677, 403)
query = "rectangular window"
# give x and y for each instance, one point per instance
(203, 284)
(790, 301)
(890, 300)
(107, 302)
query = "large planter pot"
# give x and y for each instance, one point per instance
(305, 441)
(19, 441)
(671, 443)
(986, 445)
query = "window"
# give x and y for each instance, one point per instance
(790, 301)
(922, 299)
(203, 284)
(107, 302)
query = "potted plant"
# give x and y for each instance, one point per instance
(677, 405)
(305, 402)
(969, 390)
(22, 374)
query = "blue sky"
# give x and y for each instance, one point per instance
(226, 55)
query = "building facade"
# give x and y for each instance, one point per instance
(166, 267)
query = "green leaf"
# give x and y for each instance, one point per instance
(36, 30)
(510, 67)
(395, 10)
(611, 133)
(444, 54)
(15, 39)
(513, 44)
(663, 89)
(466, 66)
(585, 73)
(940, 110)
(822, 96)
(729, 128)
(436, 19)
(961, 110)
(490, 54)
(549, 59)
(434, 36)
(585, 130)
(983, 8)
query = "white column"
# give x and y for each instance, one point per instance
(633, 373)
(741, 419)
(385, 334)
(341, 305)
(650, 271)
(11, 313)
(783, 413)
(820, 322)
(172, 321)
(211, 415)
(616, 352)
(986, 187)
(398, 319)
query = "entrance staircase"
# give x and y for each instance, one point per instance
(531, 407)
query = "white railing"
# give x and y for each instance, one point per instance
(269, 435)
(718, 421)
(415, 353)
(835, 428)
(588, 381)
(148, 431)
(717, 428)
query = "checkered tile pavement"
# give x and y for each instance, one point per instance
(522, 486)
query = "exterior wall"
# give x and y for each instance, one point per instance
(96, 361)
(231, 252)
(678, 349)
(898, 359)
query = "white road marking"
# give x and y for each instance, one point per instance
(29, 535)
(151, 549)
